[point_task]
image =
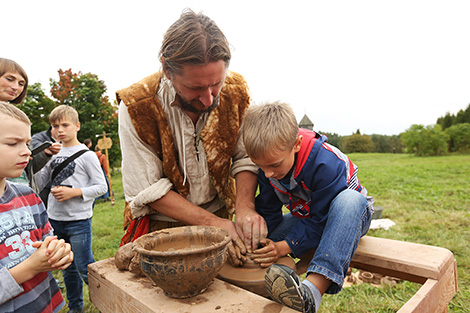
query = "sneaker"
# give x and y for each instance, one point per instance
(285, 287)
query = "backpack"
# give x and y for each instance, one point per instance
(44, 194)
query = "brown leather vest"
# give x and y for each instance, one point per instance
(219, 136)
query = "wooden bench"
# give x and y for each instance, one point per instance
(434, 267)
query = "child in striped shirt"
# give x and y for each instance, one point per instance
(28, 251)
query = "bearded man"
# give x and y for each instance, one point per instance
(183, 159)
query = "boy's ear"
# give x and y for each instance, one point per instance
(298, 143)
(78, 126)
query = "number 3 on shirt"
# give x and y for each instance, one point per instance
(19, 244)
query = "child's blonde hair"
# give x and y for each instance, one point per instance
(63, 112)
(12, 111)
(269, 128)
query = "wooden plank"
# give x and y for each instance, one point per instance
(115, 291)
(434, 295)
(409, 261)
(394, 258)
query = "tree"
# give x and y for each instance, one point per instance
(446, 121)
(386, 144)
(333, 138)
(87, 94)
(357, 143)
(395, 142)
(429, 140)
(459, 135)
(380, 143)
(37, 106)
(463, 116)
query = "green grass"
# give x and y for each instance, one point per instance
(427, 197)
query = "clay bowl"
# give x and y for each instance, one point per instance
(183, 261)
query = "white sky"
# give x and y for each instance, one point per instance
(378, 66)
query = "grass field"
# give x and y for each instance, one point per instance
(427, 197)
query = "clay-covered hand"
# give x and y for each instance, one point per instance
(236, 248)
(251, 227)
(235, 255)
(269, 253)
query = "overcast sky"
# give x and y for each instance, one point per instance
(378, 66)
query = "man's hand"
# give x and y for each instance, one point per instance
(270, 253)
(235, 256)
(236, 248)
(251, 227)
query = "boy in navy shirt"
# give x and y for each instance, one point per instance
(329, 210)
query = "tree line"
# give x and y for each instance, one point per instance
(450, 134)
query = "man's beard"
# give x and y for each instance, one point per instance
(187, 106)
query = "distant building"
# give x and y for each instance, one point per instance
(306, 123)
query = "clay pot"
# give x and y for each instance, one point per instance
(183, 261)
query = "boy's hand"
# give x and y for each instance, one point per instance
(270, 253)
(252, 228)
(59, 253)
(38, 262)
(53, 149)
(62, 193)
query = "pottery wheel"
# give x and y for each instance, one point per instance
(250, 276)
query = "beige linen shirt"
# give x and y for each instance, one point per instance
(142, 170)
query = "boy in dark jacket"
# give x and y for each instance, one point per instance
(329, 208)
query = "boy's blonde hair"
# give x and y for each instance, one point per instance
(63, 112)
(269, 128)
(12, 111)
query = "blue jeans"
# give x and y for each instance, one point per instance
(349, 219)
(78, 234)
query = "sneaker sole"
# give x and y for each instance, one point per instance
(283, 288)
